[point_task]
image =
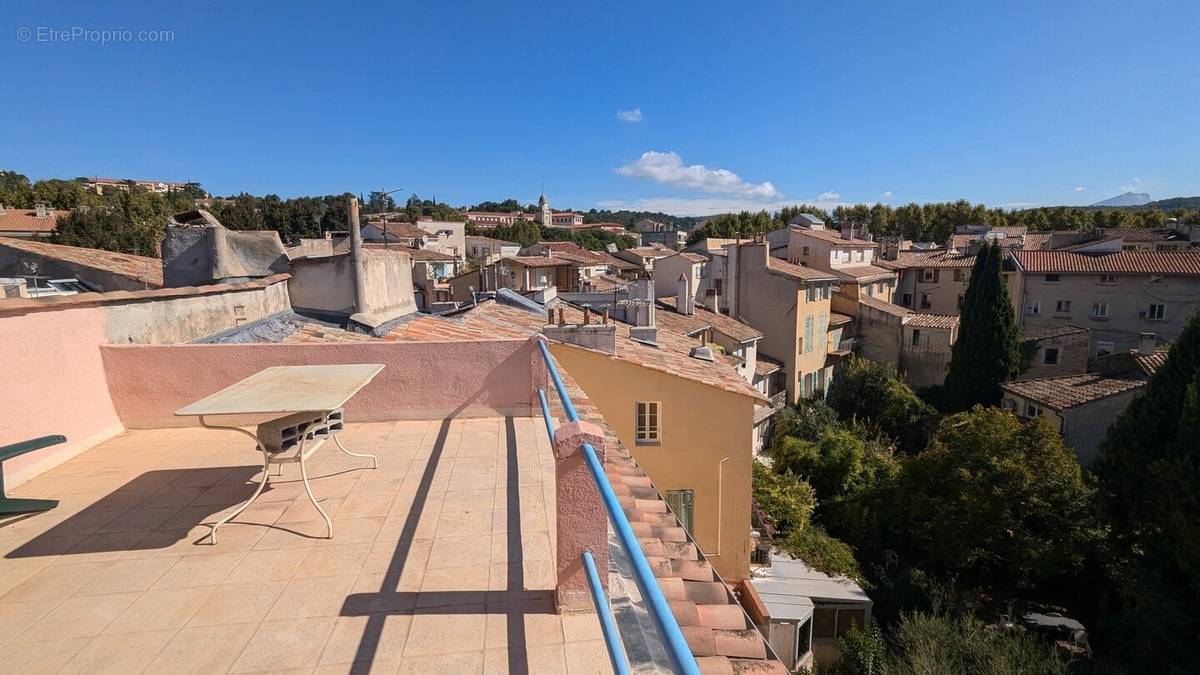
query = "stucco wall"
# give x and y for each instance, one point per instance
(1073, 350)
(427, 380)
(54, 383)
(191, 317)
(1127, 297)
(12, 263)
(701, 425)
(926, 363)
(1085, 426)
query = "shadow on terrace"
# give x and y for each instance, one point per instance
(443, 558)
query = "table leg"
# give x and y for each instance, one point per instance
(261, 484)
(304, 475)
(374, 460)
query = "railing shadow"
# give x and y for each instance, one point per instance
(515, 602)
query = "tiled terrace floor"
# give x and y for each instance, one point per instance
(441, 561)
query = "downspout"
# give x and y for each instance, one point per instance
(356, 256)
(720, 499)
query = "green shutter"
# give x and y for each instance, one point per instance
(680, 503)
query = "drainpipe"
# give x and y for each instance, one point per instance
(720, 499)
(356, 256)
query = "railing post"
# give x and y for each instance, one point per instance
(581, 520)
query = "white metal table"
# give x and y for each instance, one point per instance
(285, 390)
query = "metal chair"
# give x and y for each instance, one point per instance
(11, 505)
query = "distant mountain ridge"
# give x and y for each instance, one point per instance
(1126, 199)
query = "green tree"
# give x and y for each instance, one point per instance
(863, 650)
(872, 394)
(995, 502)
(986, 352)
(1148, 474)
(938, 644)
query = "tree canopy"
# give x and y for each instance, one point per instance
(986, 352)
(872, 393)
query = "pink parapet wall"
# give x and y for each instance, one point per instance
(420, 380)
(52, 381)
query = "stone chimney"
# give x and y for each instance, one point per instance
(847, 231)
(41, 211)
(703, 352)
(684, 302)
(1147, 342)
(641, 312)
(598, 336)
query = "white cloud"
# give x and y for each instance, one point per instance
(631, 116)
(668, 168)
(886, 195)
(1080, 188)
(1134, 185)
(829, 196)
(708, 206)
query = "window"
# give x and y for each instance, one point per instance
(824, 623)
(1052, 278)
(1062, 307)
(858, 256)
(680, 502)
(958, 275)
(1157, 312)
(808, 384)
(649, 423)
(1099, 310)
(834, 622)
(822, 327)
(929, 276)
(1104, 349)
(925, 303)
(1031, 410)
(1108, 278)
(1050, 356)
(916, 337)
(906, 299)
(1008, 404)
(808, 333)
(718, 284)
(804, 252)
(959, 302)
(810, 294)
(1033, 307)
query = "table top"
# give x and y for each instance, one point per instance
(288, 389)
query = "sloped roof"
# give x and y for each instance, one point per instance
(835, 236)
(1052, 332)
(1142, 233)
(1150, 363)
(141, 268)
(537, 261)
(764, 366)
(940, 259)
(1062, 393)
(476, 239)
(1172, 263)
(836, 319)
(924, 320)
(884, 306)
(724, 324)
(671, 356)
(862, 273)
(26, 220)
(798, 272)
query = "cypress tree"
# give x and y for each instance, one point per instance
(986, 352)
(1148, 474)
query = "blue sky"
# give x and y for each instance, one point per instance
(738, 104)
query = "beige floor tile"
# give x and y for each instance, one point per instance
(38, 658)
(583, 627)
(136, 574)
(443, 664)
(203, 649)
(314, 597)
(169, 608)
(459, 523)
(534, 659)
(16, 617)
(410, 557)
(537, 627)
(78, 617)
(336, 560)
(291, 535)
(238, 603)
(352, 641)
(301, 510)
(268, 565)
(378, 593)
(291, 643)
(430, 630)
(461, 551)
(139, 519)
(56, 582)
(119, 654)
(199, 570)
(104, 546)
(588, 658)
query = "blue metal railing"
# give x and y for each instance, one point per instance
(676, 645)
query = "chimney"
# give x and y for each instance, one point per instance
(703, 352)
(848, 231)
(1147, 342)
(356, 256)
(643, 328)
(41, 211)
(683, 303)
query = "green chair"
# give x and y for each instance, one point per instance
(16, 449)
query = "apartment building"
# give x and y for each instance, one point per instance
(682, 269)
(790, 304)
(486, 250)
(1118, 295)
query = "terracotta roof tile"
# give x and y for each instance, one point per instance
(1141, 233)
(1168, 263)
(799, 272)
(141, 268)
(722, 324)
(764, 366)
(923, 320)
(27, 220)
(836, 319)
(835, 236)
(720, 635)
(1061, 393)
(907, 259)
(862, 273)
(537, 261)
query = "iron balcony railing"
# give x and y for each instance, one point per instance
(656, 603)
